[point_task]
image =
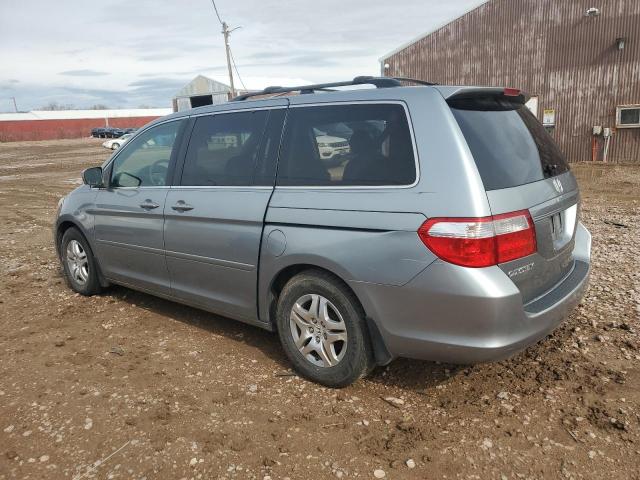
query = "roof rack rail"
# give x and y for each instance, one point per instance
(378, 82)
(415, 80)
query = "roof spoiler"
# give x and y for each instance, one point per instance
(484, 98)
(512, 94)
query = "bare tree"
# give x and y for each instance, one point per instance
(53, 106)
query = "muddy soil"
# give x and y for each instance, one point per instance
(127, 386)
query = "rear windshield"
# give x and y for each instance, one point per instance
(509, 145)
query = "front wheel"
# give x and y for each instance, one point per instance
(322, 329)
(79, 264)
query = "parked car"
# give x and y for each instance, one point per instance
(116, 143)
(113, 132)
(103, 132)
(98, 132)
(110, 132)
(333, 150)
(452, 233)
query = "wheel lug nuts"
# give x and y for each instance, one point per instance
(317, 339)
(310, 329)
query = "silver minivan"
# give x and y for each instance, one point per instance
(442, 225)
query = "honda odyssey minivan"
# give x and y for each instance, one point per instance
(448, 231)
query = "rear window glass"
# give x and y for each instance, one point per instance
(347, 145)
(510, 146)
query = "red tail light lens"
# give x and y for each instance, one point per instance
(480, 242)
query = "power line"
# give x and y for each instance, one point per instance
(230, 60)
(216, 9)
(233, 60)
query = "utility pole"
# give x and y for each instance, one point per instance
(15, 105)
(226, 32)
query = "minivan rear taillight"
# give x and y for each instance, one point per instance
(480, 242)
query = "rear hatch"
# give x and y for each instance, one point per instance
(522, 168)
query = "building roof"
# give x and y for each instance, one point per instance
(77, 114)
(202, 85)
(477, 4)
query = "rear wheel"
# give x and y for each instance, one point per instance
(79, 264)
(322, 329)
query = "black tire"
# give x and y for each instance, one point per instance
(92, 284)
(358, 357)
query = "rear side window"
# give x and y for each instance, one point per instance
(224, 149)
(347, 145)
(509, 145)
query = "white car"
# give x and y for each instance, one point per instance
(332, 149)
(116, 143)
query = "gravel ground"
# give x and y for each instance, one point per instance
(128, 386)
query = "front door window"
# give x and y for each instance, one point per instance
(144, 161)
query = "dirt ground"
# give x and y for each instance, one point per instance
(128, 386)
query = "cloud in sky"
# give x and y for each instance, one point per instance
(123, 54)
(83, 73)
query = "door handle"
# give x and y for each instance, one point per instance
(181, 206)
(149, 205)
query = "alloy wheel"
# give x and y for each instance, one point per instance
(318, 330)
(77, 262)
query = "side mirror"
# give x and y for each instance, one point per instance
(93, 177)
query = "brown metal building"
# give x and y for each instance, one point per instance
(578, 59)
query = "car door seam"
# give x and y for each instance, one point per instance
(266, 210)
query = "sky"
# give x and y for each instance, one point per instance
(141, 52)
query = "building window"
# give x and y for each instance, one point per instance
(628, 116)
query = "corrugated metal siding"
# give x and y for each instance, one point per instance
(550, 49)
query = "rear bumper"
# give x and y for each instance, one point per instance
(461, 315)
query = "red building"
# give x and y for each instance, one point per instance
(48, 125)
